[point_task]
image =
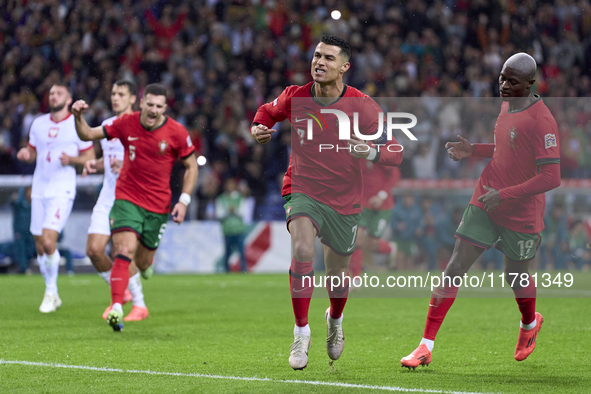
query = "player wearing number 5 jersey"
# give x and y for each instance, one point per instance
(323, 188)
(123, 96)
(54, 145)
(152, 142)
(507, 207)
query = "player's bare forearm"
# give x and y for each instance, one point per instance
(191, 173)
(84, 131)
(83, 157)
(87, 133)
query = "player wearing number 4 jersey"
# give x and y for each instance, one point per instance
(507, 207)
(152, 142)
(54, 145)
(323, 189)
(123, 96)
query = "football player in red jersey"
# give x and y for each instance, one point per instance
(378, 202)
(323, 188)
(138, 218)
(507, 207)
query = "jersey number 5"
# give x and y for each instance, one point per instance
(131, 152)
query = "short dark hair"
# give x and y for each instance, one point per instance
(130, 85)
(63, 85)
(156, 89)
(338, 42)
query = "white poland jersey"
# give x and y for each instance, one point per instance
(112, 150)
(50, 139)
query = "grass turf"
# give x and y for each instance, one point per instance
(241, 325)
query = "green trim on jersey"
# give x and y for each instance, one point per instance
(478, 229)
(338, 232)
(149, 131)
(555, 160)
(322, 104)
(523, 109)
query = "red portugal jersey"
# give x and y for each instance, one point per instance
(149, 156)
(377, 179)
(524, 140)
(320, 163)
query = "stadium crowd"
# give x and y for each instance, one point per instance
(221, 60)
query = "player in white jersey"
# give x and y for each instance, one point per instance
(123, 96)
(55, 146)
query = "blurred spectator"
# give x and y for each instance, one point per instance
(429, 241)
(230, 207)
(22, 248)
(406, 229)
(578, 243)
(555, 235)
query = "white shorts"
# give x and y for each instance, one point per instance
(50, 213)
(99, 221)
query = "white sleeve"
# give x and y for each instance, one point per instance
(32, 137)
(84, 145)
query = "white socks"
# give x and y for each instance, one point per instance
(302, 330)
(430, 344)
(335, 322)
(106, 277)
(117, 307)
(528, 326)
(135, 288)
(49, 267)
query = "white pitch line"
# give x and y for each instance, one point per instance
(254, 379)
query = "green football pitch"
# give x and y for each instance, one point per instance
(218, 333)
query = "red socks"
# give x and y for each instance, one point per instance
(438, 307)
(338, 298)
(384, 247)
(119, 278)
(301, 290)
(526, 300)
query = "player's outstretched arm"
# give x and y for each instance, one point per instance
(84, 131)
(27, 154)
(191, 171)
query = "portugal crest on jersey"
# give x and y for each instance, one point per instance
(162, 145)
(513, 137)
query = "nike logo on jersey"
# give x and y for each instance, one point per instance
(300, 120)
(298, 291)
(132, 138)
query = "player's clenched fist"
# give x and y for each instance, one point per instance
(79, 107)
(23, 154)
(261, 133)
